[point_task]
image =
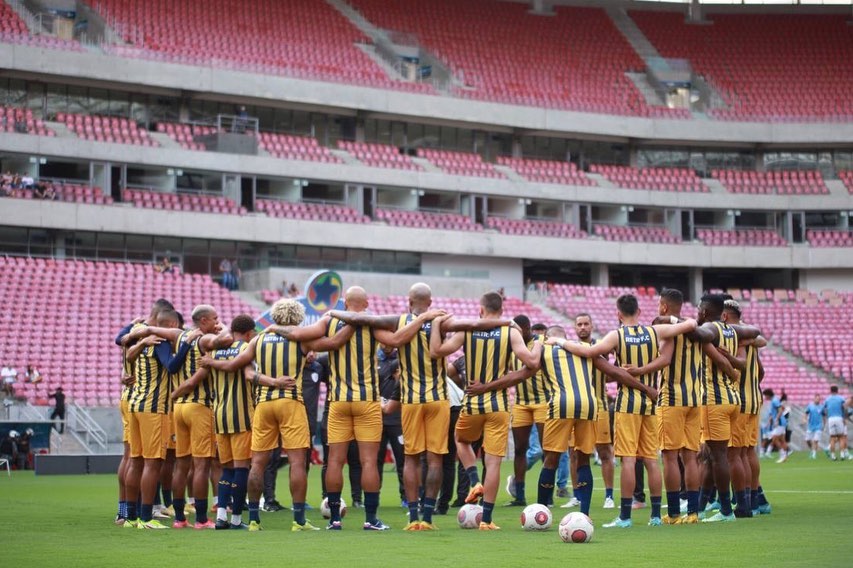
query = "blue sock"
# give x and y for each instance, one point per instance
(429, 507)
(487, 512)
(742, 497)
(334, 506)
(608, 493)
(753, 498)
(226, 482)
(167, 497)
(147, 513)
(299, 513)
(122, 509)
(725, 502)
(712, 495)
(239, 486)
(546, 485)
(575, 494)
(673, 504)
(201, 510)
(371, 505)
(655, 506)
(584, 490)
(413, 512)
(179, 505)
(703, 499)
(139, 503)
(692, 502)
(130, 507)
(255, 511)
(473, 476)
(625, 508)
(157, 496)
(519, 491)
(762, 500)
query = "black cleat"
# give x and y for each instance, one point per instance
(516, 503)
(222, 525)
(272, 506)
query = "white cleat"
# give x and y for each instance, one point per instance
(573, 502)
(609, 504)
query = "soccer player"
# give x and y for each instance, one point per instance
(815, 420)
(603, 436)
(488, 356)
(779, 422)
(836, 416)
(636, 424)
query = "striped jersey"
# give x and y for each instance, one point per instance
(232, 394)
(152, 389)
(488, 356)
(569, 384)
(718, 387)
(127, 366)
(531, 391)
(750, 389)
(681, 380)
(202, 393)
(637, 346)
(423, 378)
(277, 356)
(354, 376)
(599, 383)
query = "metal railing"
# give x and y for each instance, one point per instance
(85, 429)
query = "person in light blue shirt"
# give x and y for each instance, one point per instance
(815, 418)
(836, 415)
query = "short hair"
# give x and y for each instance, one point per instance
(522, 320)
(768, 392)
(557, 330)
(715, 302)
(539, 327)
(181, 321)
(672, 296)
(583, 315)
(833, 389)
(163, 304)
(201, 311)
(287, 311)
(492, 302)
(627, 304)
(732, 306)
(242, 323)
(170, 315)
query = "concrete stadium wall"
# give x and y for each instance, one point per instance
(818, 280)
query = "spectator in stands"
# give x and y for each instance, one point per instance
(9, 447)
(293, 291)
(58, 408)
(236, 273)
(9, 375)
(242, 120)
(225, 273)
(24, 449)
(33, 376)
(27, 182)
(164, 266)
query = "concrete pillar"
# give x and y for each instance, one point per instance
(632, 156)
(359, 128)
(184, 111)
(516, 146)
(695, 284)
(694, 12)
(59, 246)
(600, 275)
(541, 8)
(759, 161)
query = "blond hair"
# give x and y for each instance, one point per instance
(287, 312)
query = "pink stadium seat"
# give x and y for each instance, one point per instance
(781, 182)
(535, 227)
(660, 179)
(22, 121)
(107, 129)
(427, 219)
(547, 171)
(636, 234)
(379, 155)
(741, 237)
(460, 163)
(309, 211)
(199, 203)
(291, 147)
(829, 238)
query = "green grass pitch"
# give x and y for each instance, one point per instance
(66, 521)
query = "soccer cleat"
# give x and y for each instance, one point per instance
(296, 527)
(425, 526)
(357, 504)
(159, 514)
(239, 527)
(638, 504)
(128, 524)
(784, 457)
(516, 503)
(690, 519)
(713, 506)
(683, 504)
(474, 494)
(168, 511)
(376, 525)
(608, 503)
(222, 525)
(718, 517)
(208, 524)
(413, 526)
(213, 507)
(667, 520)
(765, 509)
(573, 502)
(272, 506)
(655, 522)
(189, 509)
(152, 524)
(562, 492)
(510, 485)
(756, 512)
(120, 521)
(334, 526)
(255, 526)
(618, 523)
(489, 527)
(180, 524)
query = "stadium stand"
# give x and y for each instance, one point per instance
(184, 134)
(427, 220)
(291, 147)
(660, 179)
(106, 129)
(22, 121)
(846, 177)
(781, 182)
(774, 67)
(741, 237)
(547, 171)
(379, 155)
(86, 364)
(309, 211)
(63, 190)
(829, 238)
(635, 234)
(14, 30)
(460, 163)
(197, 202)
(534, 227)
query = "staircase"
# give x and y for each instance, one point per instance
(33, 23)
(84, 429)
(829, 377)
(635, 36)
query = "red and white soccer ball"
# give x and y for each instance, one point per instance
(576, 527)
(327, 513)
(536, 517)
(469, 516)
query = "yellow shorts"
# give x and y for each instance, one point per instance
(194, 431)
(425, 427)
(494, 427)
(529, 414)
(146, 436)
(636, 435)
(745, 431)
(169, 429)
(680, 427)
(603, 435)
(359, 421)
(719, 421)
(283, 417)
(124, 409)
(559, 433)
(234, 447)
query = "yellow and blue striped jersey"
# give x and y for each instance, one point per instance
(681, 380)
(354, 376)
(276, 357)
(750, 389)
(232, 394)
(152, 389)
(637, 346)
(569, 384)
(488, 356)
(599, 383)
(202, 393)
(127, 367)
(718, 387)
(423, 378)
(531, 391)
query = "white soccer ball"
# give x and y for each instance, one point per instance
(536, 517)
(327, 513)
(576, 527)
(469, 516)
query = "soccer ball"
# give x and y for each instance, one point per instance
(576, 527)
(469, 516)
(536, 517)
(327, 513)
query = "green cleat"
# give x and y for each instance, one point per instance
(152, 524)
(255, 526)
(128, 524)
(296, 527)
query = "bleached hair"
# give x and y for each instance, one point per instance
(288, 312)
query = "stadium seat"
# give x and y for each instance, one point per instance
(106, 129)
(460, 163)
(197, 202)
(782, 182)
(379, 155)
(635, 234)
(309, 211)
(427, 220)
(21, 121)
(659, 179)
(534, 227)
(547, 171)
(741, 237)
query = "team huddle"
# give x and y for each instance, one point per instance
(210, 398)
